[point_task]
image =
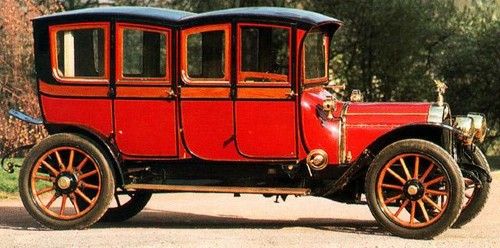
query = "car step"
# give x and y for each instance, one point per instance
(219, 189)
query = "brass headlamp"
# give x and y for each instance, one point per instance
(473, 127)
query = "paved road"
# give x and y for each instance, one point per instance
(211, 220)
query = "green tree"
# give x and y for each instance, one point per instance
(470, 63)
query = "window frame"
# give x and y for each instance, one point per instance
(239, 64)
(226, 28)
(325, 78)
(123, 80)
(54, 29)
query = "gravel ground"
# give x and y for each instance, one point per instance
(219, 220)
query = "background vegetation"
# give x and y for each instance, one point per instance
(390, 49)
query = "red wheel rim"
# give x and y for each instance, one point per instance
(65, 183)
(411, 185)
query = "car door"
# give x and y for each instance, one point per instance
(265, 104)
(206, 106)
(144, 107)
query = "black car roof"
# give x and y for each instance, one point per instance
(301, 17)
(139, 13)
(272, 14)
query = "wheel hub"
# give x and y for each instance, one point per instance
(413, 190)
(66, 183)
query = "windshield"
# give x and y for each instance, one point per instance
(315, 57)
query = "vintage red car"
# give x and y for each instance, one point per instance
(145, 100)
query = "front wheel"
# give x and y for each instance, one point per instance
(66, 182)
(412, 178)
(476, 194)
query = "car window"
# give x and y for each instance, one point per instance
(80, 52)
(144, 53)
(206, 55)
(315, 56)
(265, 54)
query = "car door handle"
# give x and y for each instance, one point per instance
(291, 94)
(171, 93)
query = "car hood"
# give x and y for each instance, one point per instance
(393, 114)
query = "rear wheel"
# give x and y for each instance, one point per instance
(476, 194)
(66, 182)
(411, 178)
(126, 205)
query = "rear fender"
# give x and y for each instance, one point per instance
(105, 145)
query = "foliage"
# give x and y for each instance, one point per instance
(390, 49)
(9, 181)
(470, 63)
(16, 70)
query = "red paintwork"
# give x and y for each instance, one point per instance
(266, 129)
(146, 127)
(302, 152)
(386, 113)
(261, 123)
(318, 132)
(365, 122)
(93, 114)
(207, 127)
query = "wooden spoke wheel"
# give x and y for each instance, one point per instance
(65, 182)
(66, 176)
(414, 183)
(414, 189)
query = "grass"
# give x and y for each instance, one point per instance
(8, 182)
(9, 185)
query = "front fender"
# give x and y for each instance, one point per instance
(381, 136)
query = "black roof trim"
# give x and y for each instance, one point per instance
(303, 18)
(141, 13)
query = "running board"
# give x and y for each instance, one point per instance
(219, 189)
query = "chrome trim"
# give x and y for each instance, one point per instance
(317, 159)
(342, 130)
(480, 126)
(437, 113)
(466, 127)
(329, 106)
(24, 117)
(387, 113)
(219, 189)
(356, 96)
(440, 89)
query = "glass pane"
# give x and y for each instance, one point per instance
(315, 61)
(144, 54)
(205, 55)
(264, 49)
(80, 53)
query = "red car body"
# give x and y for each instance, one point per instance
(239, 102)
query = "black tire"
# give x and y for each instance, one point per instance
(137, 200)
(97, 187)
(480, 195)
(446, 175)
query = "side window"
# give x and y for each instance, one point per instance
(79, 51)
(206, 54)
(142, 53)
(264, 54)
(315, 57)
